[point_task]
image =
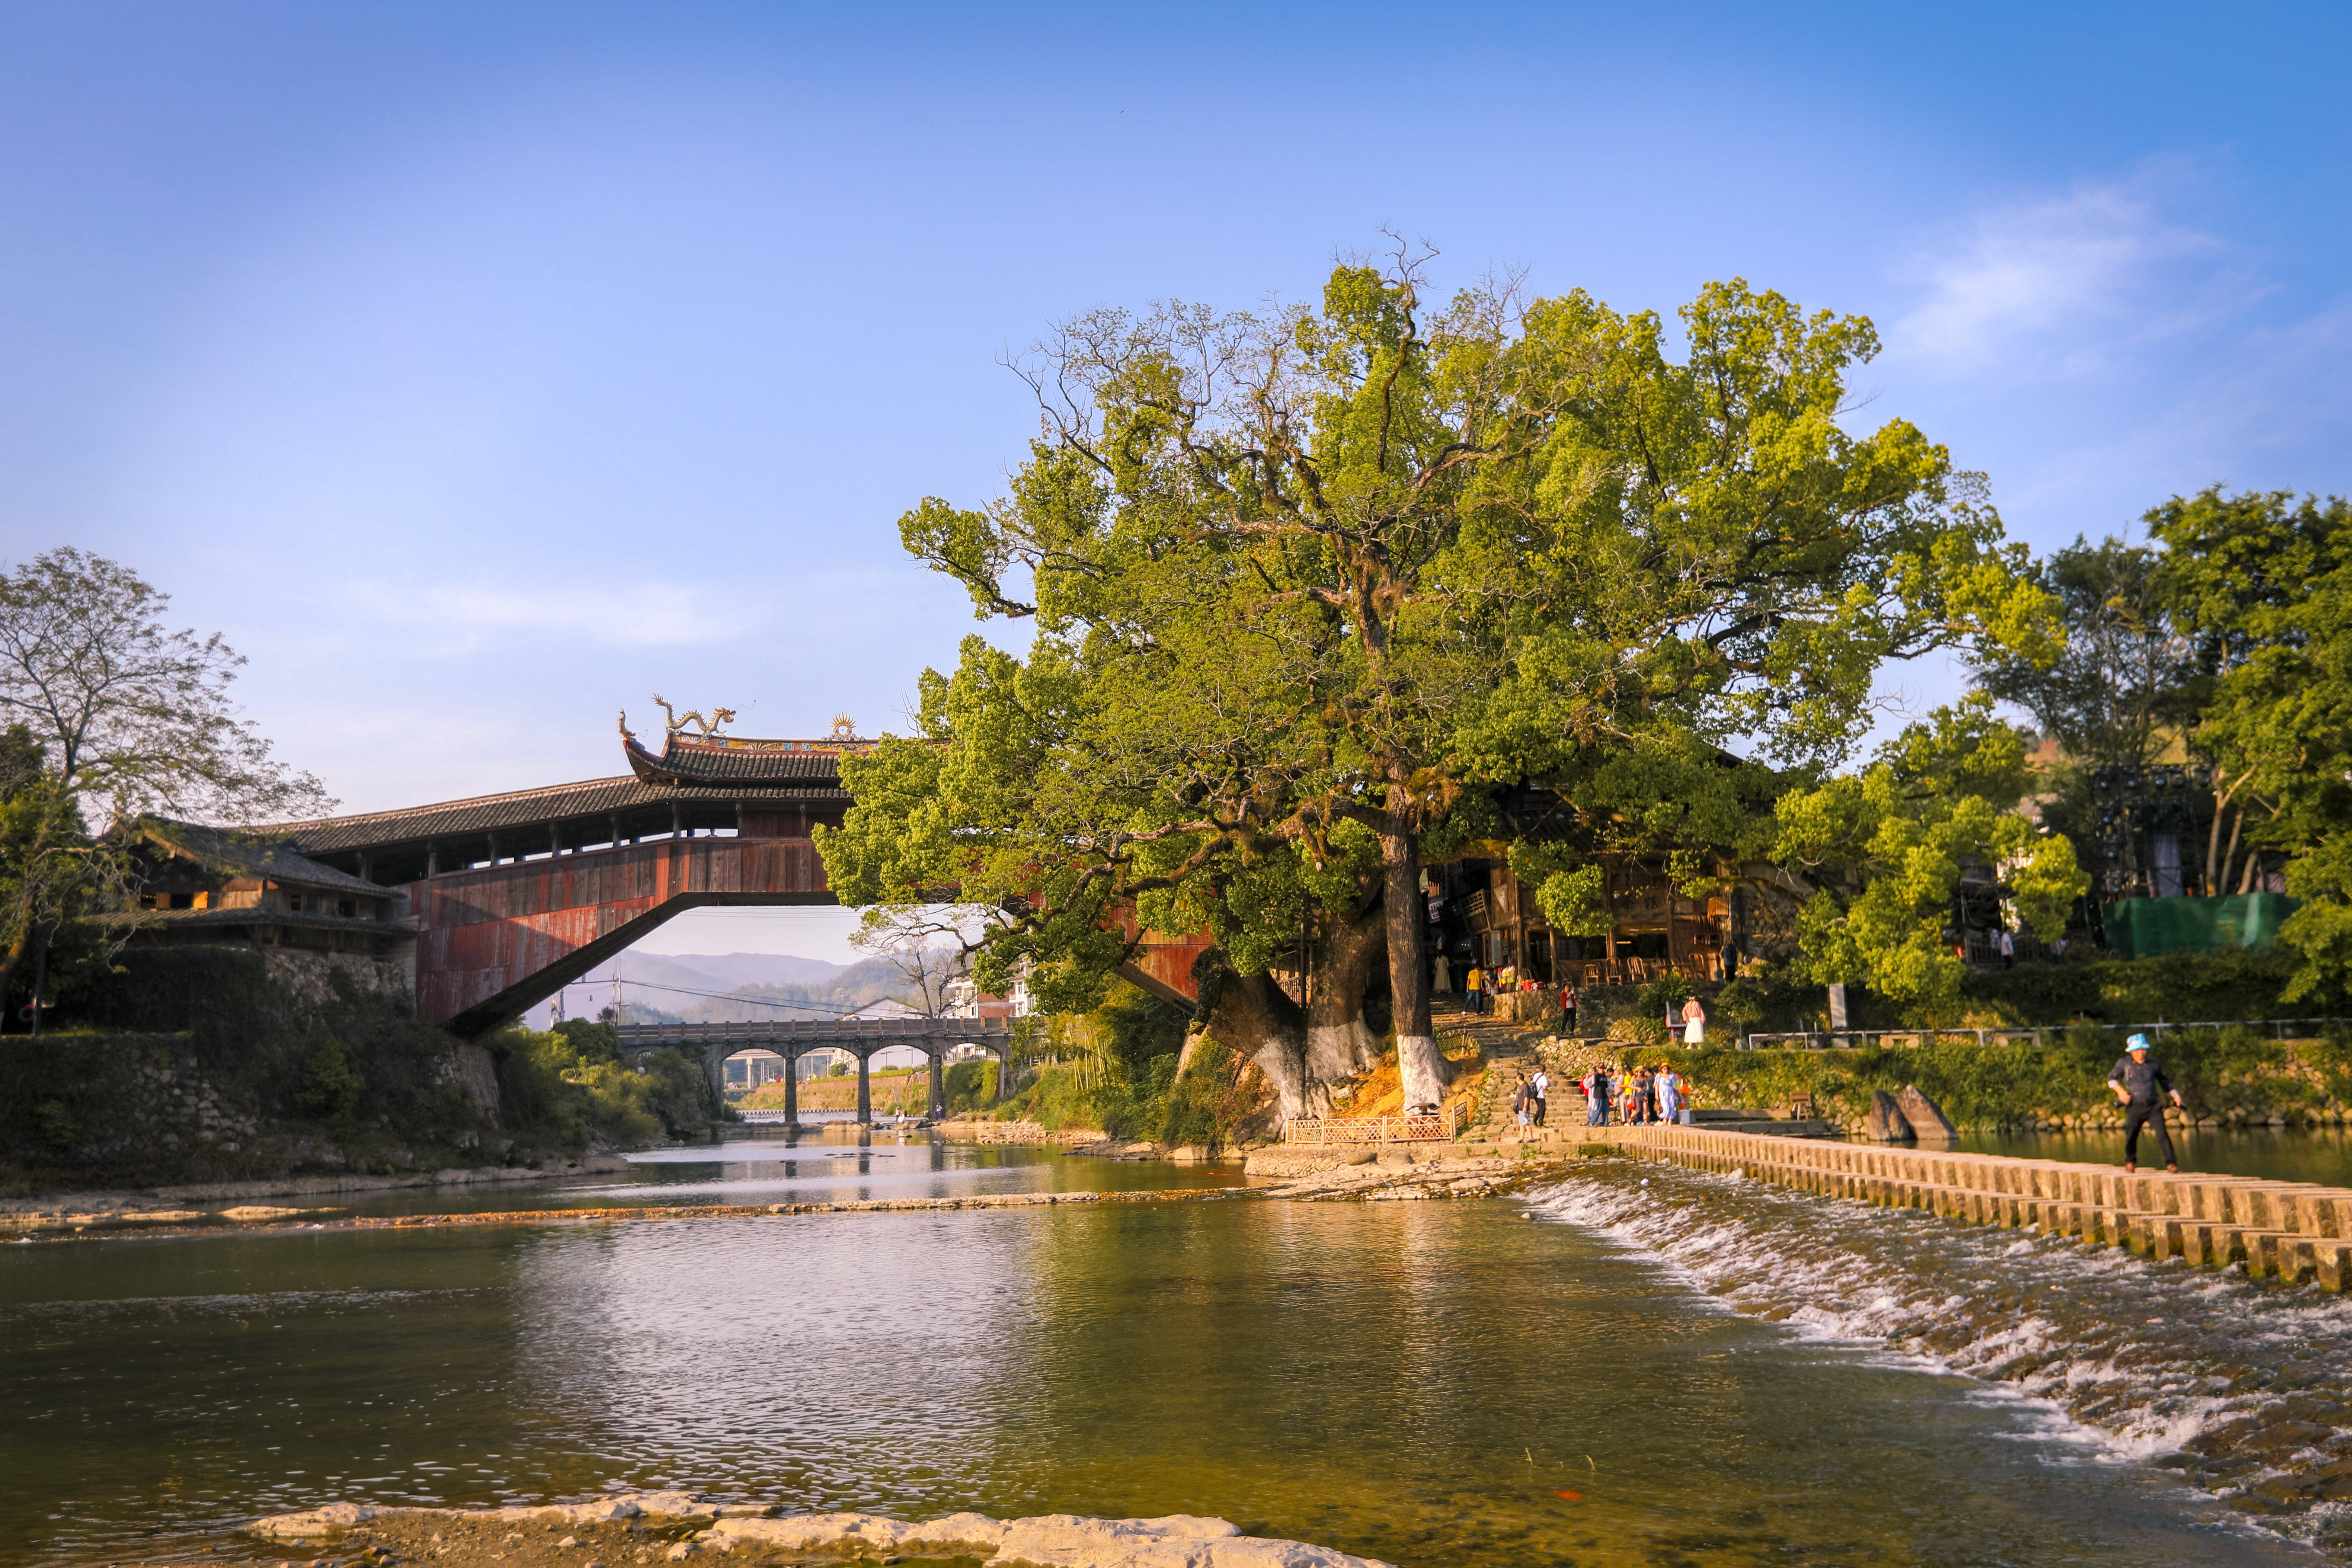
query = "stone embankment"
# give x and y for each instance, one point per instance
(1385, 1172)
(2291, 1231)
(674, 1526)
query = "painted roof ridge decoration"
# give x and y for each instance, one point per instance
(737, 761)
(742, 743)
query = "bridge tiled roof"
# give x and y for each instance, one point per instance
(234, 855)
(535, 807)
(732, 760)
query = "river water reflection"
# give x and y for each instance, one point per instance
(2280, 1155)
(1418, 1381)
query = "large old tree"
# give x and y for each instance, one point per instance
(1304, 584)
(111, 715)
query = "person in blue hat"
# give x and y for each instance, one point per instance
(2140, 1088)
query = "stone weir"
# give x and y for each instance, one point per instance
(2291, 1231)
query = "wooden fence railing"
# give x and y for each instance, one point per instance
(2042, 1035)
(1444, 1127)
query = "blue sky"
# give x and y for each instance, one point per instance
(479, 370)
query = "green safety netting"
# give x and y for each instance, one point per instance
(2142, 928)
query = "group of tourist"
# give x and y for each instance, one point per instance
(1530, 1098)
(1636, 1094)
(1481, 985)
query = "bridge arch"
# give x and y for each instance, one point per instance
(792, 1038)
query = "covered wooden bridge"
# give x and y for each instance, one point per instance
(512, 896)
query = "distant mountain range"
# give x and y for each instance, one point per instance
(733, 987)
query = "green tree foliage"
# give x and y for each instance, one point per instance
(1352, 565)
(572, 1083)
(51, 870)
(331, 1084)
(1888, 847)
(2128, 679)
(2263, 582)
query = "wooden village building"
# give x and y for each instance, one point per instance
(1482, 913)
(199, 884)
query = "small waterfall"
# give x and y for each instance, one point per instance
(2243, 1388)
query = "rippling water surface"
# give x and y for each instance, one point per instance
(1694, 1371)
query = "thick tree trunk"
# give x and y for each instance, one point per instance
(1339, 1043)
(1252, 1016)
(1419, 1064)
(2213, 866)
(13, 958)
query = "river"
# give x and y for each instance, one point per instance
(1630, 1364)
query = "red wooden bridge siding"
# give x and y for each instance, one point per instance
(1163, 964)
(495, 941)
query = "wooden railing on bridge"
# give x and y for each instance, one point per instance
(1442, 1128)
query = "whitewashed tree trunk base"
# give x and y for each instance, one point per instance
(1423, 1070)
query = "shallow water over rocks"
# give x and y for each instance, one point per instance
(1424, 1383)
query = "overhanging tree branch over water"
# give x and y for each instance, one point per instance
(1305, 582)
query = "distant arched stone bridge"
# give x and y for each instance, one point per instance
(512, 896)
(792, 1038)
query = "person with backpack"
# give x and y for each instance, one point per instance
(1596, 1097)
(1523, 1103)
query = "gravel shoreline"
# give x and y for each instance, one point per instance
(636, 1528)
(212, 1199)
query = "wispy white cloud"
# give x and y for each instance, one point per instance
(643, 615)
(2059, 283)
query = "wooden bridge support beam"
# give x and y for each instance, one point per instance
(792, 1088)
(865, 1091)
(939, 1085)
(493, 942)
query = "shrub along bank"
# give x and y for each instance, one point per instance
(2181, 988)
(1128, 1073)
(2230, 1076)
(192, 1065)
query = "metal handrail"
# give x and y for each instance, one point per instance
(1846, 1040)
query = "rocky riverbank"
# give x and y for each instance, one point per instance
(1373, 1175)
(669, 1527)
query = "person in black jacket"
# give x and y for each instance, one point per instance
(2140, 1087)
